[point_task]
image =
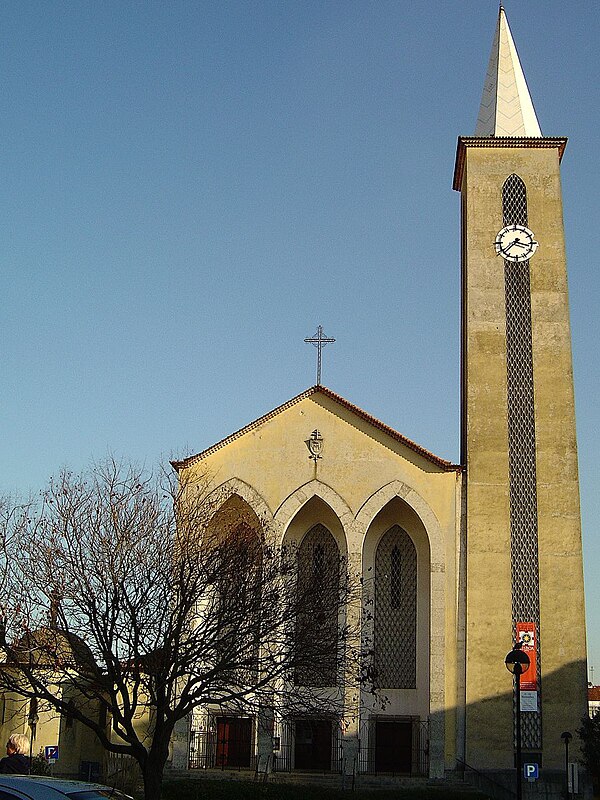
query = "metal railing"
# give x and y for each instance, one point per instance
(121, 771)
(285, 759)
(484, 782)
(209, 751)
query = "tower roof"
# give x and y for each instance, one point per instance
(506, 107)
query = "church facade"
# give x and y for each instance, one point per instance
(458, 561)
(373, 497)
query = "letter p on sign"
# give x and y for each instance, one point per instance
(530, 771)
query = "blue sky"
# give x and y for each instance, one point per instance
(190, 188)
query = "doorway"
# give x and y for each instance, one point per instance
(313, 744)
(234, 742)
(393, 746)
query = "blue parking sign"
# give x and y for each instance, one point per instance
(531, 772)
(51, 752)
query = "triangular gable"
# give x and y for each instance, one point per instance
(436, 460)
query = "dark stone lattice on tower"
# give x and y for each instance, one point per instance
(521, 443)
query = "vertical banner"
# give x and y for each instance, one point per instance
(526, 635)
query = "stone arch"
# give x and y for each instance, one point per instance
(235, 486)
(427, 529)
(234, 543)
(373, 505)
(295, 502)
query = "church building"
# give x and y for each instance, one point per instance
(459, 561)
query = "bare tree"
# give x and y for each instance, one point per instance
(126, 597)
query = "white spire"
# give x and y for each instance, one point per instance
(506, 108)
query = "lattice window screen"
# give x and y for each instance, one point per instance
(317, 630)
(239, 602)
(521, 441)
(395, 642)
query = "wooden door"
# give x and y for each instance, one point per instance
(234, 742)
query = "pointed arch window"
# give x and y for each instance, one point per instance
(514, 201)
(237, 633)
(395, 642)
(318, 590)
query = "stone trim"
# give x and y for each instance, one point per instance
(546, 142)
(315, 488)
(235, 486)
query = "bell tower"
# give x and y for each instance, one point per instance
(524, 572)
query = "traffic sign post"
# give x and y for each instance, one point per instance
(573, 776)
(51, 753)
(531, 772)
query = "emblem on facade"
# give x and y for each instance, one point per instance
(315, 445)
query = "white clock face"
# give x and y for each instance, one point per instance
(515, 243)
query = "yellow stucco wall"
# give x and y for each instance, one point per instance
(76, 742)
(274, 459)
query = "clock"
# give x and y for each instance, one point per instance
(515, 243)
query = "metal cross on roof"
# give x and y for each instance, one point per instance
(319, 340)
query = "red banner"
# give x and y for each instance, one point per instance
(527, 636)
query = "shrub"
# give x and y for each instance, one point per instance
(39, 765)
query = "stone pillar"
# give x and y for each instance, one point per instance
(266, 727)
(180, 744)
(352, 688)
(350, 755)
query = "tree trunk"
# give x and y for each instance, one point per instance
(153, 778)
(154, 763)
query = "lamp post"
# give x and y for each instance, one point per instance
(517, 662)
(566, 736)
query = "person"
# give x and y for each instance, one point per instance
(16, 761)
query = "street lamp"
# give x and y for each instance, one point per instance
(517, 662)
(566, 736)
